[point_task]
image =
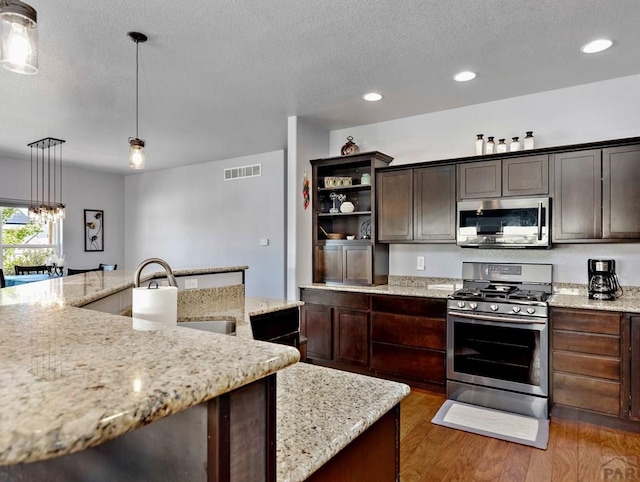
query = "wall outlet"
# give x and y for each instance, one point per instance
(190, 284)
(264, 242)
(420, 263)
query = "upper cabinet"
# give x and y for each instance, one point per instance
(519, 176)
(344, 204)
(417, 205)
(595, 195)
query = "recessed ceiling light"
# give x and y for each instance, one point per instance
(464, 76)
(372, 97)
(596, 46)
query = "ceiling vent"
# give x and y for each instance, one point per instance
(241, 172)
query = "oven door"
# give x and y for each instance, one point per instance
(507, 223)
(491, 352)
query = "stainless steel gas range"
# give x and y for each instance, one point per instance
(498, 337)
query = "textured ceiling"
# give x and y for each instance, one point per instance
(219, 79)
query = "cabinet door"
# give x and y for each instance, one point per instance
(525, 176)
(351, 328)
(435, 204)
(620, 193)
(395, 206)
(634, 371)
(577, 196)
(357, 264)
(478, 180)
(328, 266)
(316, 324)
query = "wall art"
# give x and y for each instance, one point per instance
(93, 230)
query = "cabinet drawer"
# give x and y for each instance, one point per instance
(591, 366)
(408, 362)
(408, 330)
(607, 345)
(588, 393)
(335, 298)
(407, 305)
(588, 321)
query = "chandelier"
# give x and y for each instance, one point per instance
(46, 180)
(18, 37)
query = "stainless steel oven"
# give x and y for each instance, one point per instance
(504, 223)
(498, 338)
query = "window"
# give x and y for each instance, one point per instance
(24, 242)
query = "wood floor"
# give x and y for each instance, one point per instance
(577, 451)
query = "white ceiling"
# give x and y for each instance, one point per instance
(219, 79)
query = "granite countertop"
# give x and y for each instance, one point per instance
(565, 295)
(85, 288)
(320, 410)
(72, 378)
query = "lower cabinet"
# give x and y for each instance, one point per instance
(587, 361)
(633, 372)
(282, 327)
(336, 325)
(408, 337)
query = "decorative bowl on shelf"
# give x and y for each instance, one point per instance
(351, 237)
(347, 207)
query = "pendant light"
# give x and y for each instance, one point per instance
(18, 37)
(46, 180)
(137, 157)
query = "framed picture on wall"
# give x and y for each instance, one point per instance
(93, 230)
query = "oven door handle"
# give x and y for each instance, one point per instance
(539, 221)
(505, 319)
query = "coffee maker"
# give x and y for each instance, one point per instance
(603, 281)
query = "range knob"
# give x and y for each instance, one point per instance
(531, 310)
(461, 304)
(516, 309)
(494, 307)
(473, 305)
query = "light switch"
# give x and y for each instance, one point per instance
(420, 263)
(190, 284)
(264, 242)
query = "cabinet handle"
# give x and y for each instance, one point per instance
(539, 221)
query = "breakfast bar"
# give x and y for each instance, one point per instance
(86, 392)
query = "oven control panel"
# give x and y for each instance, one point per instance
(531, 309)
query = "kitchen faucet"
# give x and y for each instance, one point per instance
(161, 262)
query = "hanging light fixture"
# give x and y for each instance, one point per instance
(46, 180)
(18, 37)
(137, 157)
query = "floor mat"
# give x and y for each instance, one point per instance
(511, 427)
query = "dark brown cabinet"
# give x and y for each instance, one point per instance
(408, 338)
(596, 196)
(477, 180)
(633, 370)
(516, 176)
(343, 205)
(417, 205)
(586, 358)
(336, 325)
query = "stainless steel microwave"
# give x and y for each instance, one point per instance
(504, 223)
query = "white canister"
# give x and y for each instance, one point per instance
(365, 179)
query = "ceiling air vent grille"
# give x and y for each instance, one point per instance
(244, 171)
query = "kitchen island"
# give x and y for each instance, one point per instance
(77, 381)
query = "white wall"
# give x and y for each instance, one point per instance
(306, 141)
(586, 113)
(82, 189)
(191, 217)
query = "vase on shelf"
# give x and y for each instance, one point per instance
(529, 141)
(479, 144)
(490, 148)
(501, 147)
(515, 144)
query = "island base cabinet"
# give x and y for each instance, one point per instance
(229, 438)
(373, 456)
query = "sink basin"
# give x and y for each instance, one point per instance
(224, 327)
